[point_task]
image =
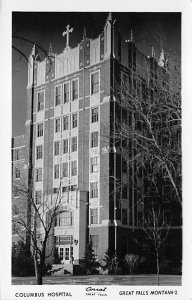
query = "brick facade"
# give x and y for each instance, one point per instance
(96, 208)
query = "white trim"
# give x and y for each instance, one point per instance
(37, 167)
(98, 187)
(98, 161)
(74, 113)
(54, 141)
(66, 82)
(74, 136)
(38, 92)
(98, 214)
(67, 115)
(71, 168)
(56, 164)
(57, 85)
(75, 79)
(38, 123)
(40, 145)
(91, 108)
(91, 73)
(90, 139)
(57, 118)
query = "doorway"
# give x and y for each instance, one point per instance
(65, 254)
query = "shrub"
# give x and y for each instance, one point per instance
(56, 258)
(112, 262)
(90, 262)
(22, 261)
(131, 261)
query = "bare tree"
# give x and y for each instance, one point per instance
(156, 230)
(131, 261)
(43, 213)
(148, 124)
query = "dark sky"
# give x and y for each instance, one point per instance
(149, 29)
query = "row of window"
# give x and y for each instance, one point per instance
(68, 91)
(64, 169)
(167, 217)
(66, 124)
(65, 144)
(57, 144)
(65, 218)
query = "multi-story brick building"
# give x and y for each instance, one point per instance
(72, 107)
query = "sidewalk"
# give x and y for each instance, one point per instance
(145, 280)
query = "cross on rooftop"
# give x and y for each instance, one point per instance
(67, 34)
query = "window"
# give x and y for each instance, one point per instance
(94, 215)
(94, 115)
(65, 189)
(17, 173)
(38, 197)
(66, 92)
(56, 171)
(55, 190)
(39, 152)
(167, 217)
(94, 164)
(64, 218)
(73, 187)
(94, 139)
(74, 168)
(56, 148)
(74, 144)
(124, 192)
(57, 125)
(95, 242)
(64, 240)
(39, 129)
(65, 146)
(94, 82)
(124, 116)
(124, 165)
(40, 100)
(64, 170)
(139, 218)
(125, 84)
(15, 209)
(16, 191)
(167, 193)
(65, 122)
(75, 89)
(15, 228)
(74, 120)
(61, 253)
(38, 174)
(66, 253)
(124, 216)
(17, 154)
(94, 189)
(58, 95)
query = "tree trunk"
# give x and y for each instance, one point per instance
(39, 277)
(38, 272)
(157, 268)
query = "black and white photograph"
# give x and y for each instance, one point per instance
(96, 176)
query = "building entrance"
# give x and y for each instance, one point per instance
(65, 254)
(65, 249)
